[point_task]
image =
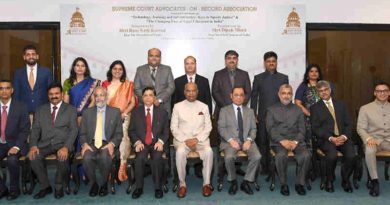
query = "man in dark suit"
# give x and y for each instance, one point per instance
(202, 83)
(265, 94)
(15, 127)
(101, 132)
(54, 131)
(31, 82)
(154, 74)
(332, 125)
(225, 79)
(148, 132)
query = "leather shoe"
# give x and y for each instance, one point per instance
(181, 193)
(233, 187)
(300, 189)
(13, 195)
(329, 187)
(206, 190)
(158, 193)
(246, 188)
(3, 193)
(374, 190)
(94, 190)
(284, 190)
(103, 190)
(43, 192)
(137, 193)
(58, 194)
(347, 186)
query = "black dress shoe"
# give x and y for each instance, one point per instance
(103, 190)
(329, 187)
(42, 193)
(374, 190)
(58, 194)
(13, 195)
(94, 190)
(300, 189)
(346, 186)
(3, 193)
(233, 187)
(284, 190)
(246, 187)
(137, 193)
(158, 193)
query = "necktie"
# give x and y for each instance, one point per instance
(232, 73)
(153, 75)
(3, 123)
(190, 79)
(240, 125)
(53, 115)
(148, 138)
(331, 110)
(31, 80)
(99, 130)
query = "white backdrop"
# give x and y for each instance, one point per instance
(206, 31)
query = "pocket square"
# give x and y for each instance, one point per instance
(200, 113)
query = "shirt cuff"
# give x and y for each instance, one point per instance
(137, 142)
(113, 144)
(249, 139)
(16, 148)
(160, 101)
(230, 139)
(329, 139)
(296, 142)
(161, 141)
(368, 139)
(345, 137)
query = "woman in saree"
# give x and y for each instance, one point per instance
(78, 91)
(121, 95)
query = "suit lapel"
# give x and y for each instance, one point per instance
(227, 77)
(93, 121)
(24, 78)
(143, 117)
(59, 112)
(155, 120)
(337, 113)
(10, 115)
(107, 123)
(148, 74)
(232, 113)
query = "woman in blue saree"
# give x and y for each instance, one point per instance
(78, 91)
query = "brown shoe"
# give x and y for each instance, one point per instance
(206, 190)
(122, 175)
(181, 193)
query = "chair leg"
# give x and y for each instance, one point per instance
(24, 176)
(165, 176)
(113, 174)
(369, 181)
(322, 172)
(357, 172)
(131, 177)
(221, 173)
(387, 163)
(272, 174)
(76, 177)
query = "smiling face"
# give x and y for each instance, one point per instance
(154, 57)
(285, 95)
(313, 73)
(148, 97)
(117, 71)
(30, 57)
(270, 64)
(324, 93)
(55, 95)
(231, 61)
(381, 93)
(6, 91)
(100, 97)
(191, 92)
(190, 66)
(238, 96)
(80, 68)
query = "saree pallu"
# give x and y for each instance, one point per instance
(80, 94)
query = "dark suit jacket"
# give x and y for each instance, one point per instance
(62, 133)
(112, 126)
(204, 94)
(160, 123)
(22, 91)
(323, 124)
(265, 91)
(221, 87)
(18, 125)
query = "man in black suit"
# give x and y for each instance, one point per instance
(149, 132)
(15, 127)
(54, 131)
(202, 83)
(101, 132)
(226, 79)
(332, 125)
(265, 94)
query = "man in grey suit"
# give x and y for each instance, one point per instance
(101, 132)
(154, 74)
(54, 131)
(265, 94)
(237, 127)
(286, 126)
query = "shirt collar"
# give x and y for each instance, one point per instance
(236, 106)
(379, 103)
(8, 104)
(151, 108)
(34, 67)
(102, 108)
(58, 105)
(326, 101)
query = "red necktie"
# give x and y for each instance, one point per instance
(53, 114)
(148, 138)
(3, 123)
(190, 79)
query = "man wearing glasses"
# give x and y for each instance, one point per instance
(373, 126)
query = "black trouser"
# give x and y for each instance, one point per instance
(156, 165)
(262, 143)
(13, 168)
(99, 158)
(348, 151)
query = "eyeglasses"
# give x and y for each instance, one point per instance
(238, 95)
(381, 91)
(323, 90)
(5, 88)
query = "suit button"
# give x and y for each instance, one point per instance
(32, 100)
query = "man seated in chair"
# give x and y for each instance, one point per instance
(100, 133)
(237, 127)
(373, 126)
(191, 127)
(149, 131)
(15, 128)
(54, 131)
(286, 127)
(332, 125)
